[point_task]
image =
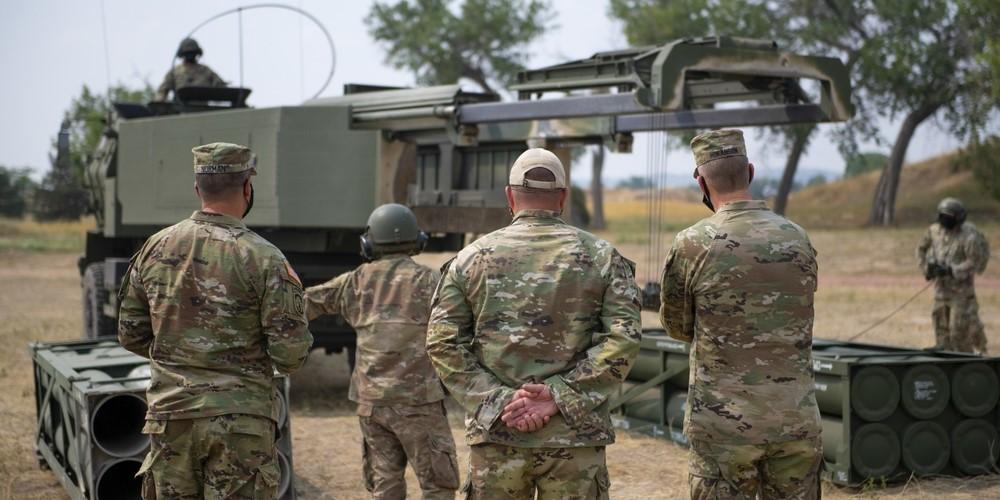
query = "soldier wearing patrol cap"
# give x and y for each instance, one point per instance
(739, 287)
(189, 73)
(217, 310)
(400, 399)
(533, 327)
(951, 253)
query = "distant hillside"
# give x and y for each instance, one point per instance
(846, 203)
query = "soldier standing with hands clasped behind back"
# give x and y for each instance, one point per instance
(216, 309)
(400, 399)
(951, 253)
(533, 327)
(739, 287)
(189, 73)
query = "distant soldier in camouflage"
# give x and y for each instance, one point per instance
(739, 286)
(951, 253)
(533, 327)
(216, 309)
(189, 73)
(400, 398)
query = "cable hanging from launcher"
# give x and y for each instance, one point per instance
(656, 176)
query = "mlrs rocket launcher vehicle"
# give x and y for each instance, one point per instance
(326, 164)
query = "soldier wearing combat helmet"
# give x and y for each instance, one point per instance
(217, 310)
(189, 73)
(400, 399)
(951, 253)
(534, 326)
(739, 287)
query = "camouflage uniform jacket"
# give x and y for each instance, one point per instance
(216, 309)
(188, 75)
(536, 301)
(964, 250)
(739, 286)
(388, 302)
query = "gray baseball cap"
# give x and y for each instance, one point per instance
(537, 158)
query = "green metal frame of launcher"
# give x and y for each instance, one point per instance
(90, 398)
(887, 412)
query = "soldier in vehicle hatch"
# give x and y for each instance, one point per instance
(533, 327)
(216, 309)
(739, 287)
(400, 398)
(951, 253)
(189, 73)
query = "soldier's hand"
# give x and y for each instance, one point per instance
(530, 409)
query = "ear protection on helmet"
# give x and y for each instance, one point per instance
(367, 249)
(422, 240)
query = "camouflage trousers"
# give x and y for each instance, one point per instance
(397, 434)
(788, 470)
(956, 323)
(505, 472)
(224, 457)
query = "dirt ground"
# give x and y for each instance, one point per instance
(864, 275)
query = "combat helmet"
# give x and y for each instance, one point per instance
(392, 228)
(189, 46)
(951, 213)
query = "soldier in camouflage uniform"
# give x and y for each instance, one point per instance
(400, 398)
(951, 253)
(189, 73)
(216, 309)
(739, 286)
(533, 327)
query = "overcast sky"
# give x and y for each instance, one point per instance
(51, 48)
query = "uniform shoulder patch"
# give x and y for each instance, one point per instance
(291, 274)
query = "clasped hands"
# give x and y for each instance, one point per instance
(530, 409)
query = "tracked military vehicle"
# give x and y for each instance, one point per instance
(325, 164)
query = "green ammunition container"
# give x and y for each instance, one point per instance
(91, 407)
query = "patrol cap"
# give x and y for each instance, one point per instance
(223, 158)
(716, 144)
(537, 158)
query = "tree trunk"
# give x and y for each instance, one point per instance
(884, 205)
(799, 143)
(597, 188)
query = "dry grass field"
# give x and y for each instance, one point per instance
(865, 273)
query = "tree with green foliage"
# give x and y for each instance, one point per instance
(983, 158)
(484, 41)
(15, 191)
(816, 180)
(860, 163)
(62, 193)
(914, 58)
(648, 22)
